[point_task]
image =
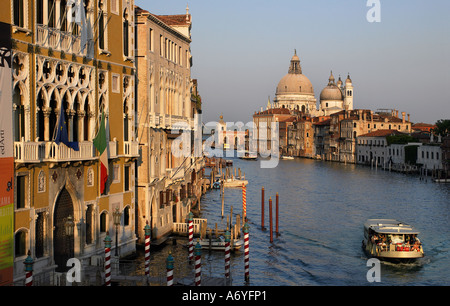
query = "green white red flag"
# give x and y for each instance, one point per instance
(100, 144)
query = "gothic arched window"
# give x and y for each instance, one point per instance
(20, 240)
(19, 115)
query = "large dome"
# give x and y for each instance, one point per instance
(295, 82)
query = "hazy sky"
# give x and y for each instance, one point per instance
(242, 49)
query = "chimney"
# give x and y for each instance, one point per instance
(396, 113)
(409, 119)
(403, 117)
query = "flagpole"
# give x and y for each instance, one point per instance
(58, 116)
(51, 11)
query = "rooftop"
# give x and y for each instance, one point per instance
(382, 133)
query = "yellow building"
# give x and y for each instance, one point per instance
(79, 58)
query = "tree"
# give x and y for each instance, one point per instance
(442, 127)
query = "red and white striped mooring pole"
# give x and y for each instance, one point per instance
(191, 237)
(147, 230)
(28, 270)
(198, 264)
(227, 254)
(246, 253)
(244, 201)
(169, 266)
(107, 259)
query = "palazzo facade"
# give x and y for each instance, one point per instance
(82, 69)
(169, 173)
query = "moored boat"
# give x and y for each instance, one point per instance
(391, 240)
(287, 157)
(247, 155)
(218, 244)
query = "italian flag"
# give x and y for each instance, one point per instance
(100, 144)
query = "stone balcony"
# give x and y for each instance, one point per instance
(174, 174)
(58, 40)
(27, 152)
(131, 148)
(166, 121)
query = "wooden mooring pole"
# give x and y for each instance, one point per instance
(276, 215)
(262, 208)
(270, 219)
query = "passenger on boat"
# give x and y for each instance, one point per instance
(397, 239)
(416, 246)
(381, 242)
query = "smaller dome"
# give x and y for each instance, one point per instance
(331, 92)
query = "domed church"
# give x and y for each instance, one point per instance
(296, 93)
(336, 97)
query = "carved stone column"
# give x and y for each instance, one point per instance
(91, 116)
(81, 114)
(70, 113)
(46, 111)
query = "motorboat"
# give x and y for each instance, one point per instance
(234, 183)
(218, 244)
(287, 157)
(391, 240)
(247, 155)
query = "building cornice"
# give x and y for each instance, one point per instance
(163, 25)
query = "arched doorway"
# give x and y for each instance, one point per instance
(63, 245)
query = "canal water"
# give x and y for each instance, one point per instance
(323, 206)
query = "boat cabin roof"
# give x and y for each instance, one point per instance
(389, 226)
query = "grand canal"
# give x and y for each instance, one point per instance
(323, 206)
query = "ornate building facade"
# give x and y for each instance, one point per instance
(168, 182)
(77, 60)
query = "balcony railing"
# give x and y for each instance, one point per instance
(170, 121)
(36, 152)
(62, 41)
(112, 149)
(59, 153)
(175, 173)
(131, 148)
(29, 152)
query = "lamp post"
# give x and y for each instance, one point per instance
(116, 218)
(28, 270)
